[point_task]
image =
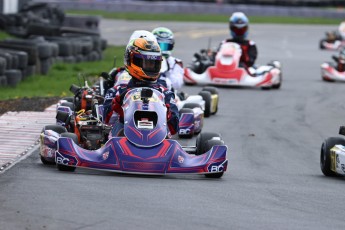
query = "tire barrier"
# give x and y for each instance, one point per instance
(44, 35)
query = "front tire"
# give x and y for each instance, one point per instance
(207, 97)
(66, 168)
(209, 145)
(325, 155)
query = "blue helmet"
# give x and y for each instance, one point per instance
(238, 25)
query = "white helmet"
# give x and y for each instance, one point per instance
(142, 34)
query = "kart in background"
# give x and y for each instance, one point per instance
(194, 108)
(144, 148)
(227, 72)
(330, 73)
(332, 157)
(334, 40)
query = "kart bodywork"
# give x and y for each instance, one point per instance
(330, 73)
(144, 148)
(227, 71)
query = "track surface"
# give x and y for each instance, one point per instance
(273, 180)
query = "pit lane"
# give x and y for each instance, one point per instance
(273, 181)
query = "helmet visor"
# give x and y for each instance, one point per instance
(239, 31)
(166, 46)
(149, 63)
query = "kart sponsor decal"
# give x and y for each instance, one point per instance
(65, 160)
(184, 131)
(343, 168)
(105, 155)
(180, 159)
(216, 167)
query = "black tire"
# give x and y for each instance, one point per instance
(277, 86)
(66, 168)
(208, 146)
(69, 99)
(68, 104)
(207, 97)
(3, 81)
(45, 162)
(56, 128)
(191, 106)
(211, 89)
(325, 155)
(3, 65)
(201, 141)
(14, 77)
(214, 91)
(187, 110)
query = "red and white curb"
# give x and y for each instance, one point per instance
(19, 134)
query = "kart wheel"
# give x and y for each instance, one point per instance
(68, 104)
(191, 106)
(211, 89)
(277, 86)
(45, 162)
(69, 99)
(325, 156)
(202, 139)
(209, 145)
(327, 79)
(56, 128)
(207, 97)
(66, 168)
(214, 91)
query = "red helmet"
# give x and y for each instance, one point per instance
(238, 25)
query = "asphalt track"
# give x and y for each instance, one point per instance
(273, 180)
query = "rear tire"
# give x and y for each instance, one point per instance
(201, 141)
(325, 155)
(214, 91)
(207, 97)
(66, 168)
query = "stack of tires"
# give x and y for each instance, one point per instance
(45, 36)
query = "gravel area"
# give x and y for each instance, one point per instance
(27, 104)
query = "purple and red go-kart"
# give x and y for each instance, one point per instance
(144, 148)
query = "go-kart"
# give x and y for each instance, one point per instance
(194, 108)
(330, 73)
(334, 40)
(145, 148)
(227, 70)
(332, 157)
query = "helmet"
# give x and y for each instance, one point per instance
(143, 59)
(238, 25)
(165, 39)
(141, 34)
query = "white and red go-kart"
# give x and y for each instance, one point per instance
(227, 72)
(330, 73)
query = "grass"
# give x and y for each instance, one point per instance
(61, 76)
(205, 17)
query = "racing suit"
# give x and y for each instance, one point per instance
(114, 99)
(249, 51)
(171, 73)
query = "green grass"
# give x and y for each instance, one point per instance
(204, 17)
(61, 76)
